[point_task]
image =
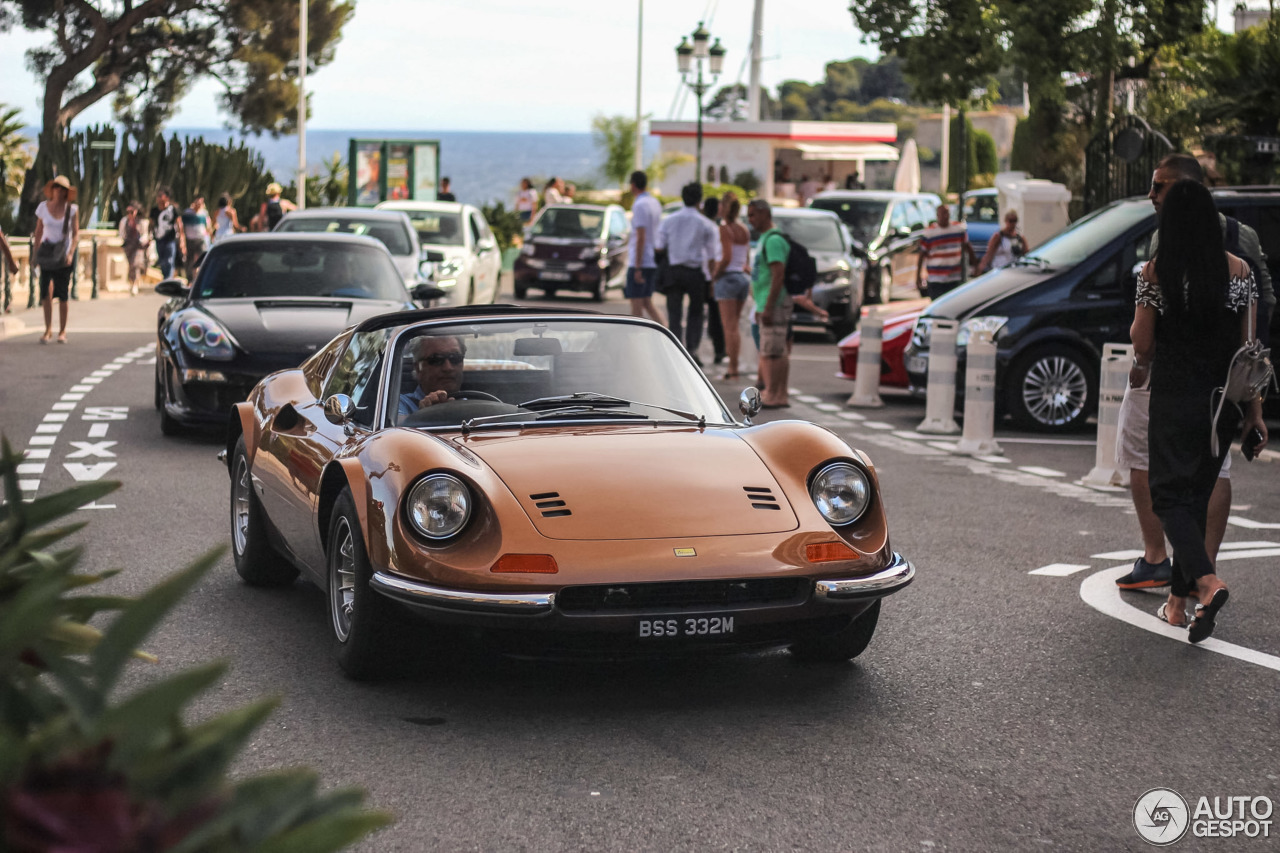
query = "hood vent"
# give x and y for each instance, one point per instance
(550, 504)
(761, 498)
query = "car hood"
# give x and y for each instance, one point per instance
(962, 302)
(619, 482)
(291, 324)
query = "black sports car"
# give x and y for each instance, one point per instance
(262, 303)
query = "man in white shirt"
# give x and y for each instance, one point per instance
(690, 240)
(646, 213)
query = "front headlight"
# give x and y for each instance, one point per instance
(590, 253)
(989, 323)
(204, 338)
(837, 276)
(448, 268)
(439, 506)
(922, 332)
(841, 492)
(527, 250)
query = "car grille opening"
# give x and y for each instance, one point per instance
(550, 504)
(762, 498)
(680, 594)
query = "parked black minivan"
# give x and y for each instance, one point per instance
(1053, 310)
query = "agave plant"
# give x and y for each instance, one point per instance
(81, 770)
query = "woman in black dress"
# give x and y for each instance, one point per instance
(1191, 316)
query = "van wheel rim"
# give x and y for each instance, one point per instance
(240, 506)
(1055, 390)
(342, 580)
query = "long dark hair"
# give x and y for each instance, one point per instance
(1191, 263)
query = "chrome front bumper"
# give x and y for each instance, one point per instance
(898, 574)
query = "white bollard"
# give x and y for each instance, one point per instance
(940, 394)
(1116, 359)
(866, 387)
(979, 437)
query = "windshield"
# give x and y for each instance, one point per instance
(569, 223)
(1090, 234)
(436, 228)
(387, 232)
(815, 233)
(862, 216)
(312, 268)
(982, 208)
(524, 372)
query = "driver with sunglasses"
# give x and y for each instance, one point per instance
(437, 362)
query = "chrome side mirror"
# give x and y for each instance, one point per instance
(339, 409)
(749, 402)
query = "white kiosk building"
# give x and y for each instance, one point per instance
(780, 153)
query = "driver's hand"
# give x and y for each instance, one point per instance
(433, 398)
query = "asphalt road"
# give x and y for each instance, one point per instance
(996, 709)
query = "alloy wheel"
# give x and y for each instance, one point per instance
(240, 506)
(1055, 390)
(342, 579)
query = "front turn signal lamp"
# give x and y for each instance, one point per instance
(527, 564)
(829, 552)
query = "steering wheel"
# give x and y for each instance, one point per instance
(472, 395)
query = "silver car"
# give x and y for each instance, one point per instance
(392, 228)
(840, 271)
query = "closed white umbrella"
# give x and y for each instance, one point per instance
(907, 178)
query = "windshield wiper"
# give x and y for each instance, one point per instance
(591, 399)
(563, 411)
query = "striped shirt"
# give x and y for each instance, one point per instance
(944, 248)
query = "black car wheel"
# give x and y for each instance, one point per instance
(549, 292)
(879, 285)
(1052, 389)
(361, 619)
(597, 290)
(159, 394)
(519, 289)
(257, 563)
(845, 644)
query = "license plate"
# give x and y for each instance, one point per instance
(686, 626)
(918, 364)
(553, 276)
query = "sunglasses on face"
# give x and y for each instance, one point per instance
(439, 358)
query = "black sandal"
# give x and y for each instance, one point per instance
(1203, 623)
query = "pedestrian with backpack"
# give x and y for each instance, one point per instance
(169, 236)
(274, 208)
(773, 304)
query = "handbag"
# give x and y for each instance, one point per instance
(1248, 376)
(53, 256)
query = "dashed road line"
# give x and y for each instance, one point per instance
(1041, 472)
(1238, 521)
(1059, 570)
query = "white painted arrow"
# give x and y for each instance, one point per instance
(83, 473)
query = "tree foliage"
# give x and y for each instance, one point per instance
(146, 55)
(615, 136)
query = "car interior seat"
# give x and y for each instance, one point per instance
(244, 278)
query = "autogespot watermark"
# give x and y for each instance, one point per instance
(1162, 817)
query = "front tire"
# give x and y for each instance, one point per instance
(257, 563)
(839, 646)
(361, 619)
(1052, 389)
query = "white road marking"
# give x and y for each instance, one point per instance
(1243, 546)
(852, 416)
(80, 389)
(995, 460)
(1041, 472)
(902, 433)
(948, 446)
(828, 407)
(31, 468)
(92, 448)
(43, 439)
(877, 425)
(88, 473)
(1118, 555)
(65, 407)
(1248, 555)
(92, 380)
(35, 453)
(1062, 442)
(56, 417)
(1059, 570)
(808, 398)
(1252, 525)
(49, 428)
(28, 485)
(1100, 592)
(98, 430)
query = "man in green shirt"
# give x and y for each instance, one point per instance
(773, 304)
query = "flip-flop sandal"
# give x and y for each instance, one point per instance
(1203, 624)
(1163, 615)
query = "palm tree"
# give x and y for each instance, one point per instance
(15, 157)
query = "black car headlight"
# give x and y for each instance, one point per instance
(439, 506)
(204, 338)
(841, 492)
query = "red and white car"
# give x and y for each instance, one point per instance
(899, 319)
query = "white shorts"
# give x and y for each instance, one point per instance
(1131, 433)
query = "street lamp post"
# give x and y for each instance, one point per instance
(687, 57)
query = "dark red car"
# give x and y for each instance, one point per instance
(899, 319)
(581, 247)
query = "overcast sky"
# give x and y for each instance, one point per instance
(515, 65)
